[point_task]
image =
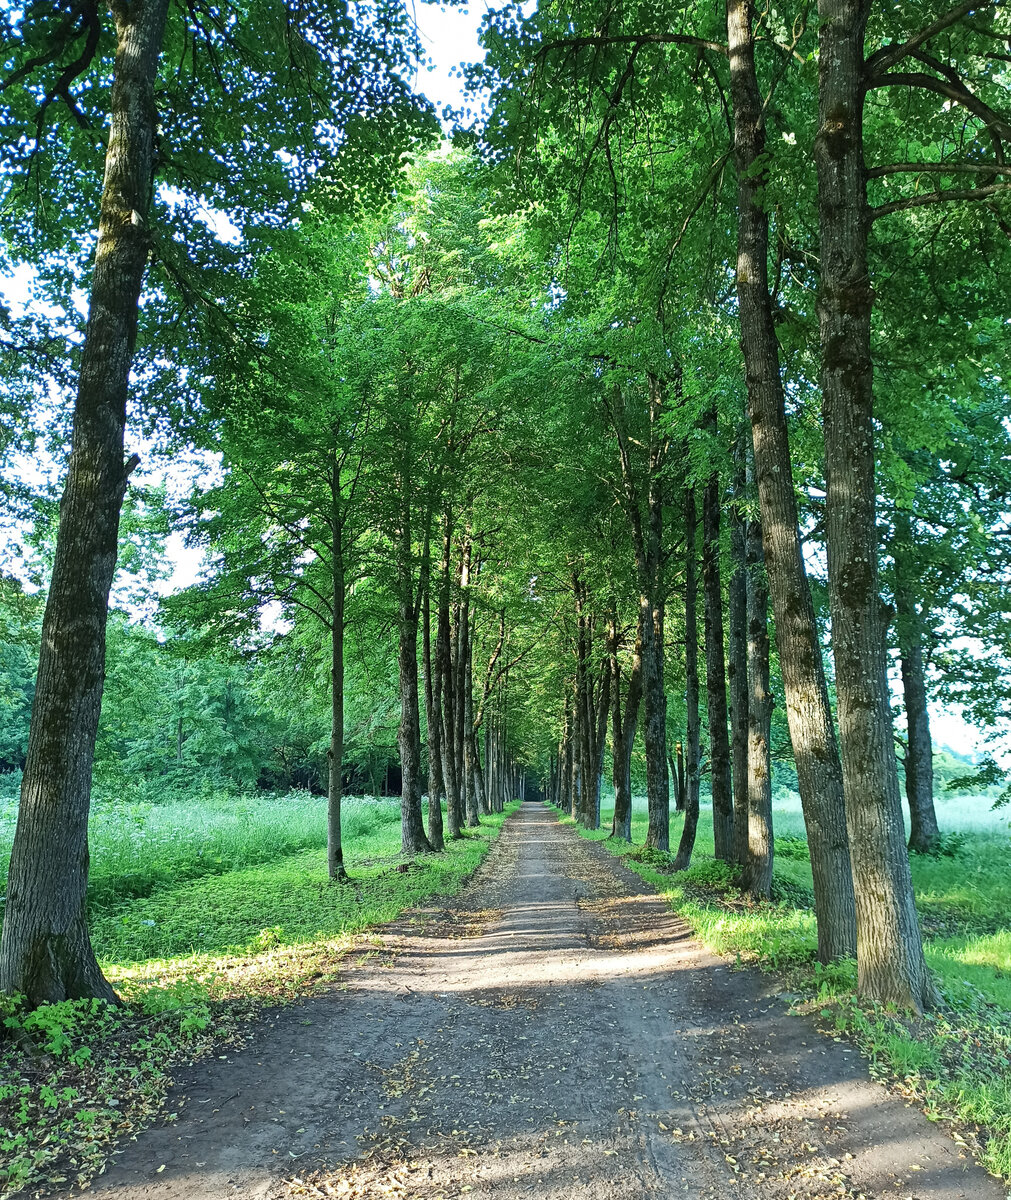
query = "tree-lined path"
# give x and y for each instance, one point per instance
(557, 1033)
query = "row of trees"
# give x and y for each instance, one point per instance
(537, 429)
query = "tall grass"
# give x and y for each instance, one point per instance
(138, 848)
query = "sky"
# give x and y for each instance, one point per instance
(450, 37)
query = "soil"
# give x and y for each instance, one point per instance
(555, 1033)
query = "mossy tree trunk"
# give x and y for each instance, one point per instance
(890, 962)
(812, 736)
(45, 950)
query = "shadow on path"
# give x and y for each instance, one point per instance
(579, 1043)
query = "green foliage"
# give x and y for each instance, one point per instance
(110, 1067)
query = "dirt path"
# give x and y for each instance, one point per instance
(558, 1034)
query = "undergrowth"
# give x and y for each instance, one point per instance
(955, 1062)
(201, 918)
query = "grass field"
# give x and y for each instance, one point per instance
(201, 914)
(956, 1061)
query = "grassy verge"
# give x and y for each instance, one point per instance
(956, 1062)
(201, 917)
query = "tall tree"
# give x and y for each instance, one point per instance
(156, 135)
(809, 717)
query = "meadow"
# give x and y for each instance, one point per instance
(955, 1061)
(203, 913)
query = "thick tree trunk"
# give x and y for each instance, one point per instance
(890, 962)
(923, 830)
(716, 676)
(686, 847)
(809, 718)
(433, 722)
(737, 659)
(45, 951)
(757, 875)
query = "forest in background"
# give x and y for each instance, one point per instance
(637, 432)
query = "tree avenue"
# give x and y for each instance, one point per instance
(643, 447)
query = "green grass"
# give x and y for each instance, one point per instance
(957, 1061)
(136, 848)
(200, 914)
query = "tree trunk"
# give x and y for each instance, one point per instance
(655, 728)
(737, 665)
(45, 951)
(646, 526)
(469, 750)
(686, 846)
(623, 731)
(679, 774)
(433, 722)
(335, 754)
(757, 876)
(459, 674)
(565, 757)
(444, 659)
(716, 676)
(412, 827)
(603, 707)
(890, 963)
(819, 775)
(923, 831)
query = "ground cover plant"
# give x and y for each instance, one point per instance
(956, 1060)
(203, 915)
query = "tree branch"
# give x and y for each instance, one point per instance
(886, 58)
(939, 197)
(938, 168)
(632, 39)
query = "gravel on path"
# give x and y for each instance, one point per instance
(555, 1033)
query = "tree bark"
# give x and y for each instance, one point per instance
(716, 676)
(737, 660)
(469, 750)
(335, 754)
(565, 756)
(757, 875)
(819, 775)
(412, 826)
(603, 707)
(890, 962)
(623, 729)
(646, 526)
(686, 846)
(655, 728)
(923, 831)
(433, 722)
(444, 659)
(45, 950)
